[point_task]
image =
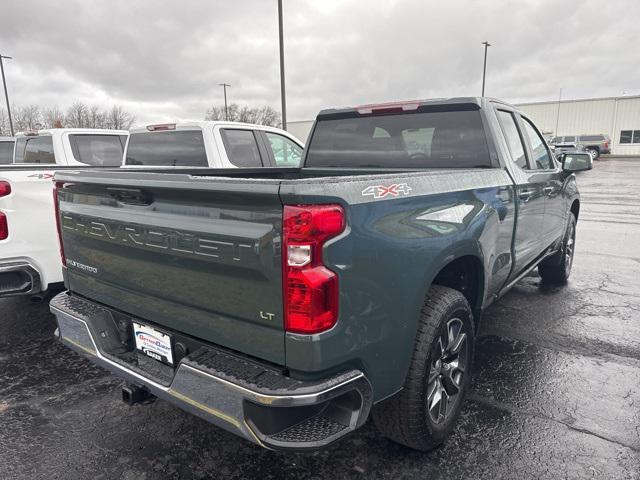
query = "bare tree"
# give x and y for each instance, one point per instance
(119, 119)
(52, 117)
(265, 115)
(4, 123)
(26, 118)
(77, 115)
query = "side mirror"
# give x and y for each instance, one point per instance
(576, 162)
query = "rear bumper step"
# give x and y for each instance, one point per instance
(18, 278)
(243, 396)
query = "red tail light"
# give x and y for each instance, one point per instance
(56, 187)
(4, 227)
(310, 289)
(5, 188)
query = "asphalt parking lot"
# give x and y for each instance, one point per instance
(556, 387)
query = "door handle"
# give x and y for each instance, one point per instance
(548, 190)
(525, 195)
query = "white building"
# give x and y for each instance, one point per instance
(618, 117)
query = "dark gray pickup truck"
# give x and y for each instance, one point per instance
(287, 305)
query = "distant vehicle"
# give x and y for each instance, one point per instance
(564, 147)
(593, 144)
(212, 144)
(29, 260)
(283, 304)
(6, 150)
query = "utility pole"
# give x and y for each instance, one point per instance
(6, 95)
(282, 93)
(226, 109)
(484, 68)
(558, 113)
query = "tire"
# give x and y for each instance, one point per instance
(593, 152)
(406, 417)
(557, 268)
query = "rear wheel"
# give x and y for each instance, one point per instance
(593, 152)
(424, 412)
(557, 268)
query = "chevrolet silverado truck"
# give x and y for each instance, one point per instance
(289, 305)
(213, 144)
(29, 258)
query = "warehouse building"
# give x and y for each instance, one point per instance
(618, 117)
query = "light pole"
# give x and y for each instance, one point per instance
(282, 94)
(558, 113)
(6, 95)
(226, 110)
(484, 68)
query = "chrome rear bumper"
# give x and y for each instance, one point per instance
(240, 395)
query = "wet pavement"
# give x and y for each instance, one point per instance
(555, 391)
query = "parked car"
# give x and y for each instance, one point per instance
(593, 144)
(559, 148)
(285, 305)
(212, 144)
(6, 150)
(29, 258)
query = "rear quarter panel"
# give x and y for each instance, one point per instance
(30, 216)
(393, 248)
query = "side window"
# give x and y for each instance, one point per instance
(512, 136)
(242, 148)
(101, 150)
(556, 140)
(285, 151)
(38, 150)
(541, 158)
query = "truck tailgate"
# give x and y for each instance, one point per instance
(189, 254)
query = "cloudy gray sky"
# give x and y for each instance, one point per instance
(163, 60)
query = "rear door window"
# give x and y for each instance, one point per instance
(286, 152)
(512, 135)
(180, 148)
(571, 139)
(35, 150)
(541, 158)
(242, 148)
(100, 150)
(6, 153)
(449, 139)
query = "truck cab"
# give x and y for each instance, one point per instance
(212, 144)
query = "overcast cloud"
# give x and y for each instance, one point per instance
(163, 60)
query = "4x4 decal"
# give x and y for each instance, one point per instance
(381, 191)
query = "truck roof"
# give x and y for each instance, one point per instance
(199, 125)
(7, 139)
(60, 131)
(474, 103)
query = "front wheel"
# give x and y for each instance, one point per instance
(424, 412)
(557, 268)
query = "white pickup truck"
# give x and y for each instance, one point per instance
(212, 144)
(29, 250)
